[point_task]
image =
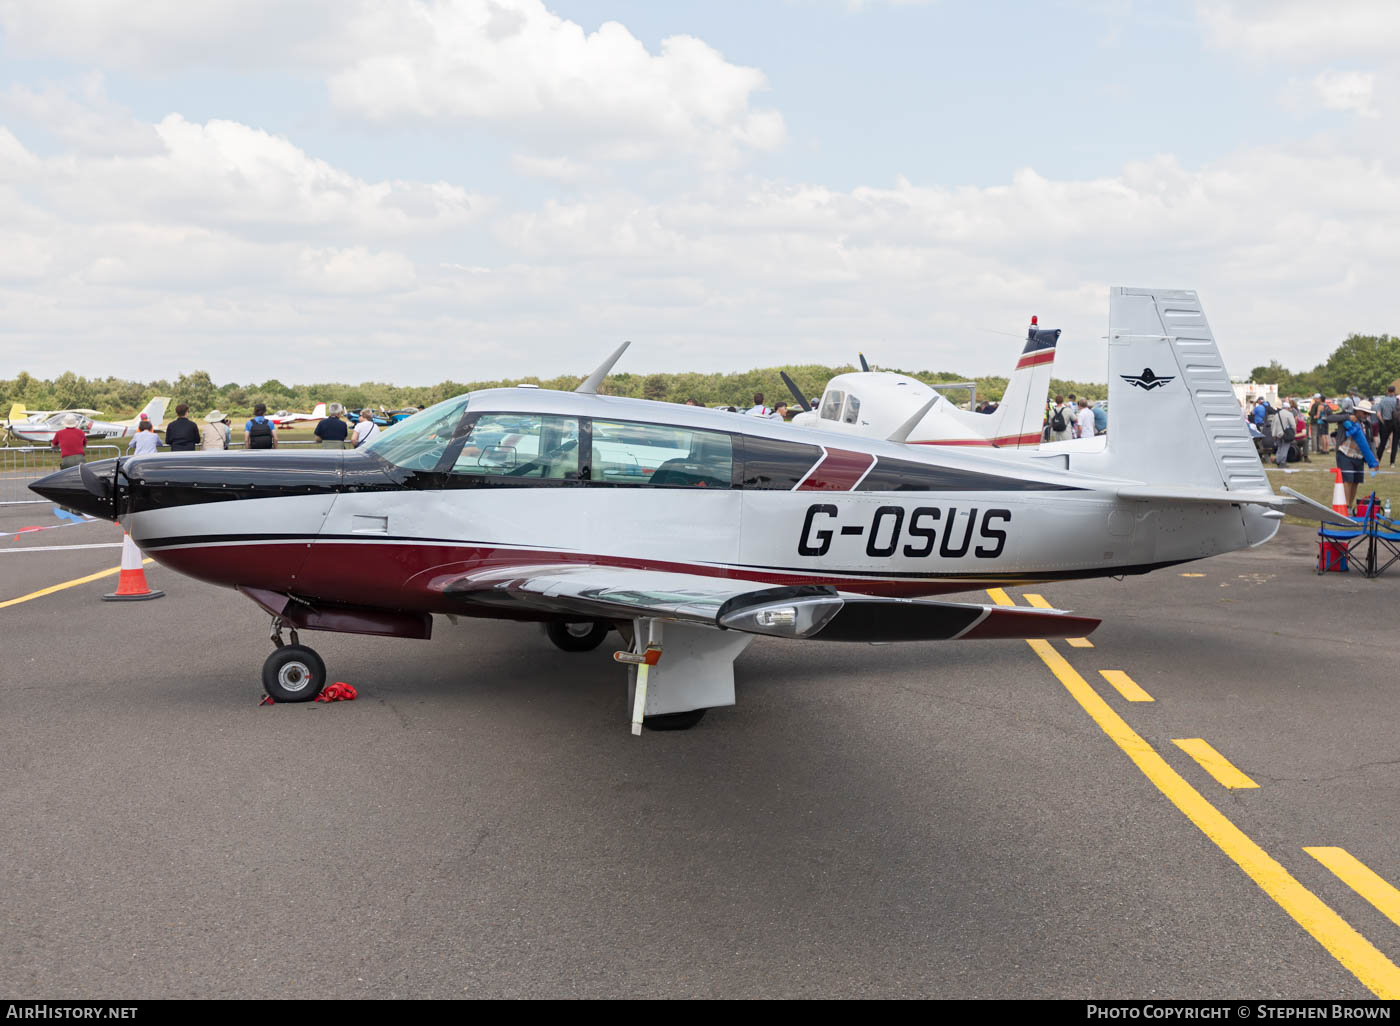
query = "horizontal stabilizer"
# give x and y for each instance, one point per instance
(1311, 509)
(1292, 502)
(1194, 493)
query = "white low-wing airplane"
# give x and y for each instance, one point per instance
(284, 418)
(691, 530)
(42, 430)
(872, 404)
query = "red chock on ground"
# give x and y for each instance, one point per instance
(338, 692)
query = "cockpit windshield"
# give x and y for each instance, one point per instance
(419, 442)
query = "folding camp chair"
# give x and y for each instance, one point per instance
(1382, 540)
(1337, 547)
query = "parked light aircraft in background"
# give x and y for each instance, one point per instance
(873, 404)
(41, 431)
(286, 419)
(692, 531)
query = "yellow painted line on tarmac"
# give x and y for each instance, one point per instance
(66, 584)
(1193, 575)
(1039, 602)
(1362, 879)
(1126, 686)
(1224, 771)
(1379, 974)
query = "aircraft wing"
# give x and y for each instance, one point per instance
(806, 611)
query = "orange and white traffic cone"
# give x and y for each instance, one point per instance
(1339, 494)
(131, 585)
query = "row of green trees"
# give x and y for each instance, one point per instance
(1367, 363)
(118, 397)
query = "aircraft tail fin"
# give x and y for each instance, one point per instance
(155, 409)
(18, 413)
(1173, 418)
(319, 411)
(1021, 414)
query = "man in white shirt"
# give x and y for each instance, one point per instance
(1084, 421)
(366, 430)
(758, 409)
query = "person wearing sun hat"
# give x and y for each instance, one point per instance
(71, 442)
(213, 435)
(1353, 448)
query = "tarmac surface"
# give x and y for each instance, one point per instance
(917, 820)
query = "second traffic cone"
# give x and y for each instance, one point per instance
(1339, 495)
(131, 585)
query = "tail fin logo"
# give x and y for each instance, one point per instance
(1147, 381)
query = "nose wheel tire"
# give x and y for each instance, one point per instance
(581, 636)
(293, 673)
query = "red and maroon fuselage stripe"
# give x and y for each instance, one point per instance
(412, 575)
(839, 471)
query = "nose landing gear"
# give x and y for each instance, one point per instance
(293, 673)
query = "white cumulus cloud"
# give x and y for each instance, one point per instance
(516, 63)
(1303, 30)
(1346, 90)
(529, 73)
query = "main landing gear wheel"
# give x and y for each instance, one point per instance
(674, 721)
(582, 636)
(293, 673)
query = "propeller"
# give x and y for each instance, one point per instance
(796, 393)
(863, 365)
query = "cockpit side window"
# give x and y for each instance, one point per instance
(660, 455)
(831, 405)
(852, 415)
(524, 447)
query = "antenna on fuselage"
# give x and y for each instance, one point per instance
(863, 365)
(796, 394)
(904, 430)
(591, 383)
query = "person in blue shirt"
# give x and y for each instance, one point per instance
(1100, 418)
(1261, 410)
(1352, 448)
(260, 432)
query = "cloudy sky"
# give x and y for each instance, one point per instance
(413, 190)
